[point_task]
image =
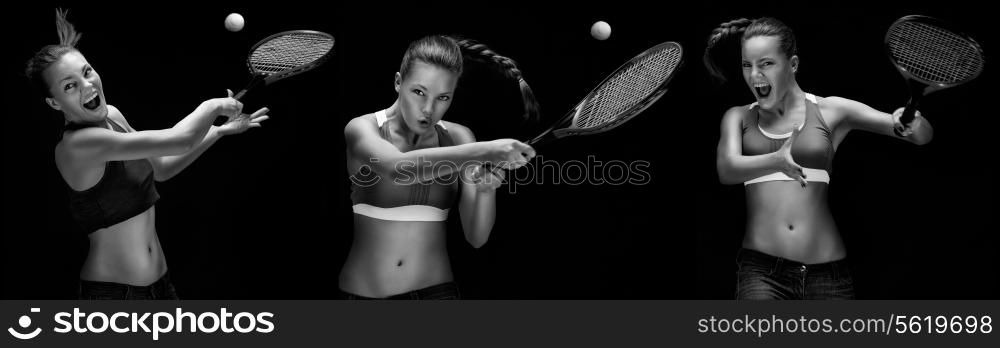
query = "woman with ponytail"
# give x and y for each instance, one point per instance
(781, 149)
(110, 168)
(408, 167)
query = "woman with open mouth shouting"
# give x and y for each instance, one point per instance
(110, 168)
(781, 148)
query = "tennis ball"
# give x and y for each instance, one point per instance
(600, 30)
(234, 22)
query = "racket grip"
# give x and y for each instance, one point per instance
(908, 114)
(256, 80)
(240, 94)
(543, 139)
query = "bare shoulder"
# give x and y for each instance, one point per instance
(114, 112)
(78, 144)
(460, 133)
(361, 122)
(71, 139)
(116, 115)
(836, 108)
(839, 103)
(736, 114)
(60, 149)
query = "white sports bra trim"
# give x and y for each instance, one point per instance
(809, 97)
(381, 117)
(814, 175)
(403, 213)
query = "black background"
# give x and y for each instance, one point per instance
(266, 214)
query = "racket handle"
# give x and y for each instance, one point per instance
(256, 80)
(542, 139)
(908, 114)
(241, 93)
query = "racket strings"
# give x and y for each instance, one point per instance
(628, 88)
(934, 54)
(289, 51)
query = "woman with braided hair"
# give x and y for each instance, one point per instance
(408, 166)
(110, 168)
(781, 149)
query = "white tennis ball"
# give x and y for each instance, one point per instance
(234, 22)
(600, 30)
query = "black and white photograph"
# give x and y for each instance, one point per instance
(692, 151)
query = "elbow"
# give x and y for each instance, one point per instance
(727, 181)
(476, 242)
(724, 179)
(725, 174)
(476, 237)
(162, 170)
(162, 175)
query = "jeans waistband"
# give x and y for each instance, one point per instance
(782, 264)
(158, 287)
(418, 294)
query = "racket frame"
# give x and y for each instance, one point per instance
(555, 132)
(265, 78)
(920, 87)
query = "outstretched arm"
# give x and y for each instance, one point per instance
(860, 116)
(95, 144)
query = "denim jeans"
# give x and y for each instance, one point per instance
(766, 277)
(162, 289)
(443, 291)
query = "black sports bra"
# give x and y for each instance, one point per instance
(125, 190)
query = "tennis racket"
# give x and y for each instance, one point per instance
(624, 94)
(286, 54)
(931, 56)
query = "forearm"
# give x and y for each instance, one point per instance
(194, 127)
(428, 164)
(173, 165)
(479, 214)
(736, 169)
